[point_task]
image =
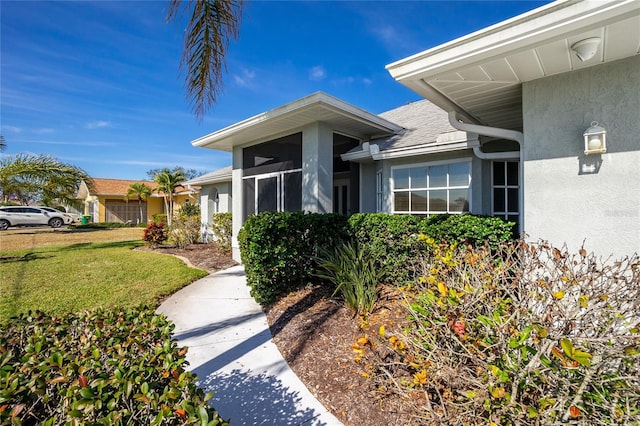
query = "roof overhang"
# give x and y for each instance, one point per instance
(318, 107)
(216, 176)
(480, 75)
(446, 142)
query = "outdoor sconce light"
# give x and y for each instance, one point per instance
(595, 139)
(587, 48)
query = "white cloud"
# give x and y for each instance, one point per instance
(367, 81)
(387, 34)
(11, 129)
(43, 131)
(245, 79)
(317, 73)
(98, 124)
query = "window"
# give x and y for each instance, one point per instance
(431, 189)
(273, 176)
(505, 190)
(379, 191)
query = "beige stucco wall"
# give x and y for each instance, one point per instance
(569, 196)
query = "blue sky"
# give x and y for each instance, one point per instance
(97, 83)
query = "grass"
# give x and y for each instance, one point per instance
(26, 238)
(83, 275)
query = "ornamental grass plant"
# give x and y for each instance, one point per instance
(354, 273)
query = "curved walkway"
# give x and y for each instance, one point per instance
(231, 351)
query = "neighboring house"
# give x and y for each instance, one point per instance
(215, 196)
(321, 154)
(108, 201)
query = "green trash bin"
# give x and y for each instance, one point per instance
(85, 219)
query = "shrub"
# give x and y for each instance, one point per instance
(159, 218)
(155, 234)
(189, 209)
(278, 249)
(222, 228)
(97, 367)
(538, 337)
(185, 230)
(353, 271)
(390, 240)
(468, 229)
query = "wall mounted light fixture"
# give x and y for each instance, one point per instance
(587, 48)
(595, 139)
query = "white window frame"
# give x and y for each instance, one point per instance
(506, 213)
(393, 191)
(280, 196)
(379, 191)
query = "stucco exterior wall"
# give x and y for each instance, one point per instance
(367, 188)
(572, 197)
(317, 168)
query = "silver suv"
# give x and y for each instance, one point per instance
(27, 215)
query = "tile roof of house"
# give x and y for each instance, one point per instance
(422, 122)
(117, 186)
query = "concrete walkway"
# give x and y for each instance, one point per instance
(231, 351)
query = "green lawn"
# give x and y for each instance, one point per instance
(88, 275)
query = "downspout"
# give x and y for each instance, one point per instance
(512, 135)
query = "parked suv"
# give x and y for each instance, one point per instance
(27, 215)
(68, 217)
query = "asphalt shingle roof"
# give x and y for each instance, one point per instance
(422, 122)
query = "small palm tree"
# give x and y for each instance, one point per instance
(168, 181)
(139, 191)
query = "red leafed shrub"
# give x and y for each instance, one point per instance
(155, 234)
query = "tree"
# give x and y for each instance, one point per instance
(168, 181)
(212, 23)
(41, 177)
(187, 173)
(140, 191)
(3, 143)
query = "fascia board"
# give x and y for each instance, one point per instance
(318, 99)
(425, 149)
(528, 30)
(215, 179)
(356, 156)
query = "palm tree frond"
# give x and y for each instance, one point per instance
(212, 24)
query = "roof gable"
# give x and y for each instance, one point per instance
(316, 107)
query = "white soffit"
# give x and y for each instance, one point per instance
(318, 107)
(480, 75)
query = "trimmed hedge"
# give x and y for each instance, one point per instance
(278, 249)
(468, 229)
(97, 367)
(390, 240)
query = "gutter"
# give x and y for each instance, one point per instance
(512, 135)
